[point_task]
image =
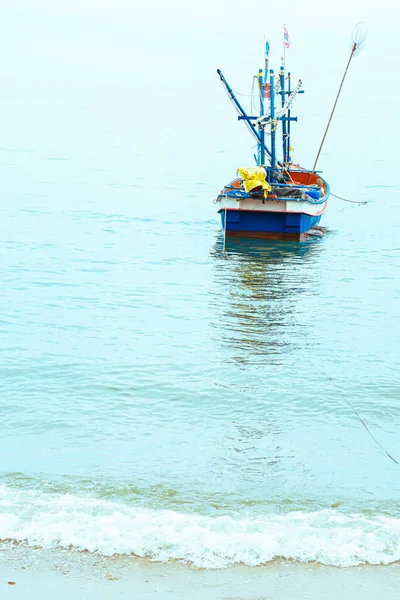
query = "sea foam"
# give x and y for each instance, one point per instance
(329, 537)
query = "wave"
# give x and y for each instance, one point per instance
(108, 528)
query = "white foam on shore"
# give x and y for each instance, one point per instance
(66, 521)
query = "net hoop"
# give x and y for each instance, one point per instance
(359, 33)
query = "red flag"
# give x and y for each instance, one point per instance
(266, 90)
(286, 40)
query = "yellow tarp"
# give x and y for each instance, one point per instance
(254, 177)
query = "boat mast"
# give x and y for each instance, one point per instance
(288, 127)
(273, 122)
(266, 62)
(284, 138)
(261, 158)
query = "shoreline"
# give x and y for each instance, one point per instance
(46, 574)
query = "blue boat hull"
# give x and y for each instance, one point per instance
(272, 225)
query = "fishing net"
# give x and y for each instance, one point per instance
(358, 38)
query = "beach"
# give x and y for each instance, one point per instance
(88, 577)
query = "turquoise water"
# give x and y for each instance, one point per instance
(161, 397)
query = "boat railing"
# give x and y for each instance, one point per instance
(296, 185)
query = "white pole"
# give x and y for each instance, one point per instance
(224, 224)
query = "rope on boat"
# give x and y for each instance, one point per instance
(253, 95)
(240, 94)
(264, 120)
(253, 133)
(291, 98)
(352, 201)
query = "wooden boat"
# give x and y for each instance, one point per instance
(276, 199)
(288, 211)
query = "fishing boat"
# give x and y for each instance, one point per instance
(276, 198)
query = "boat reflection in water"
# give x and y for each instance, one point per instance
(266, 293)
(265, 301)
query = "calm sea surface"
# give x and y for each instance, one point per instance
(161, 397)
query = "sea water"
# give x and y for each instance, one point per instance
(160, 396)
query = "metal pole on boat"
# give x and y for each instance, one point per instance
(224, 224)
(358, 37)
(266, 62)
(288, 126)
(273, 122)
(261, 128)
(282, 76)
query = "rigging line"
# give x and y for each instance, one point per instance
(330, 378)
(252, 95)
(240, 110)
(352, 201)
(252, 131)
(240, 94)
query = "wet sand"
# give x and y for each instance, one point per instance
(69, 575)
